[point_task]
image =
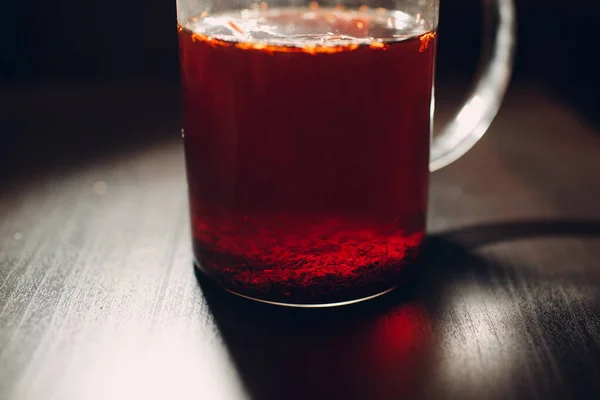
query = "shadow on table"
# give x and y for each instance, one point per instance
(380, 349)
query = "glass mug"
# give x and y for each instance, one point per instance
(307, 133)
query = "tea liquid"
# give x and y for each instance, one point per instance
(307, 147)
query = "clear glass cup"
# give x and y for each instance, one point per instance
(307, 131)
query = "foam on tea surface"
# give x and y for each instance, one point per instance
(298, 27)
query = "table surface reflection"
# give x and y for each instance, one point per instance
(99, 298)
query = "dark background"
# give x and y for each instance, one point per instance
(114, 40)
(84, 80)
(63, 64)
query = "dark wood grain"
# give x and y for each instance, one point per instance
(99, 298)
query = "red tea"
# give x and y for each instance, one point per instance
(307, 148)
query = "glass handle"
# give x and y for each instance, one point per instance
(485, 98)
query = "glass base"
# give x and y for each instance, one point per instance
(314, 305)
(377, 292)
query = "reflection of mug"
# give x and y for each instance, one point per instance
(307, 133)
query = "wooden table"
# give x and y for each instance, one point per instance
(99, 298)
